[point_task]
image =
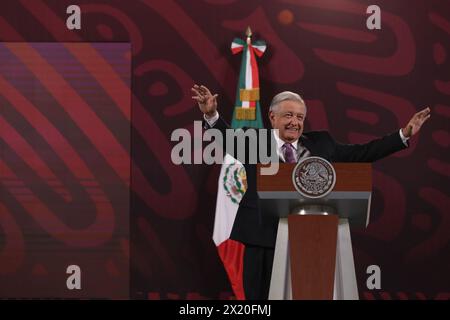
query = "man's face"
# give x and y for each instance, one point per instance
(288, 118)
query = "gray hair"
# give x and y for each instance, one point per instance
(285, 96)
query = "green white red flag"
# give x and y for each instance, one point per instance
(232, 180)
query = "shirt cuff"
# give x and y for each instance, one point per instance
(212, 120)
(404, 139)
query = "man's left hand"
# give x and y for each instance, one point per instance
(416, 122)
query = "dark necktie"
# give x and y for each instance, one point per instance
(288, 152)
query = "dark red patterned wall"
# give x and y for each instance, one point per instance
(358, 84)
(65, 168)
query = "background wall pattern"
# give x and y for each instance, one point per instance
(358, 84)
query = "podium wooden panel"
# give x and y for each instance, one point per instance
(312, 241)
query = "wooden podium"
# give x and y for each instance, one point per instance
(313, 254)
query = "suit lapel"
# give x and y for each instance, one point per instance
(310, 145)
(317, 147)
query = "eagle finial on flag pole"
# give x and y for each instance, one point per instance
(248, 32)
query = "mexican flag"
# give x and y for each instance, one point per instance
(232, 180)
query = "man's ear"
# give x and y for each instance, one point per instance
(271, 116)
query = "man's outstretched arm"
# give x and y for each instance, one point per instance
(380, 148)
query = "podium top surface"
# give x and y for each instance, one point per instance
(351, 177)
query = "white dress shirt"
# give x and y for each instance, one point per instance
(404, 139)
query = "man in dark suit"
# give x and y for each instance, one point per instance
(287, 113)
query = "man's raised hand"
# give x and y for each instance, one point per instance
(416, 122)
(206, 101)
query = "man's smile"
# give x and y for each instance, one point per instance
(292, 129)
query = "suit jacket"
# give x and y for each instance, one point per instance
(251, 227)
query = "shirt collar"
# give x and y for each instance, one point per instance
(280, 142)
